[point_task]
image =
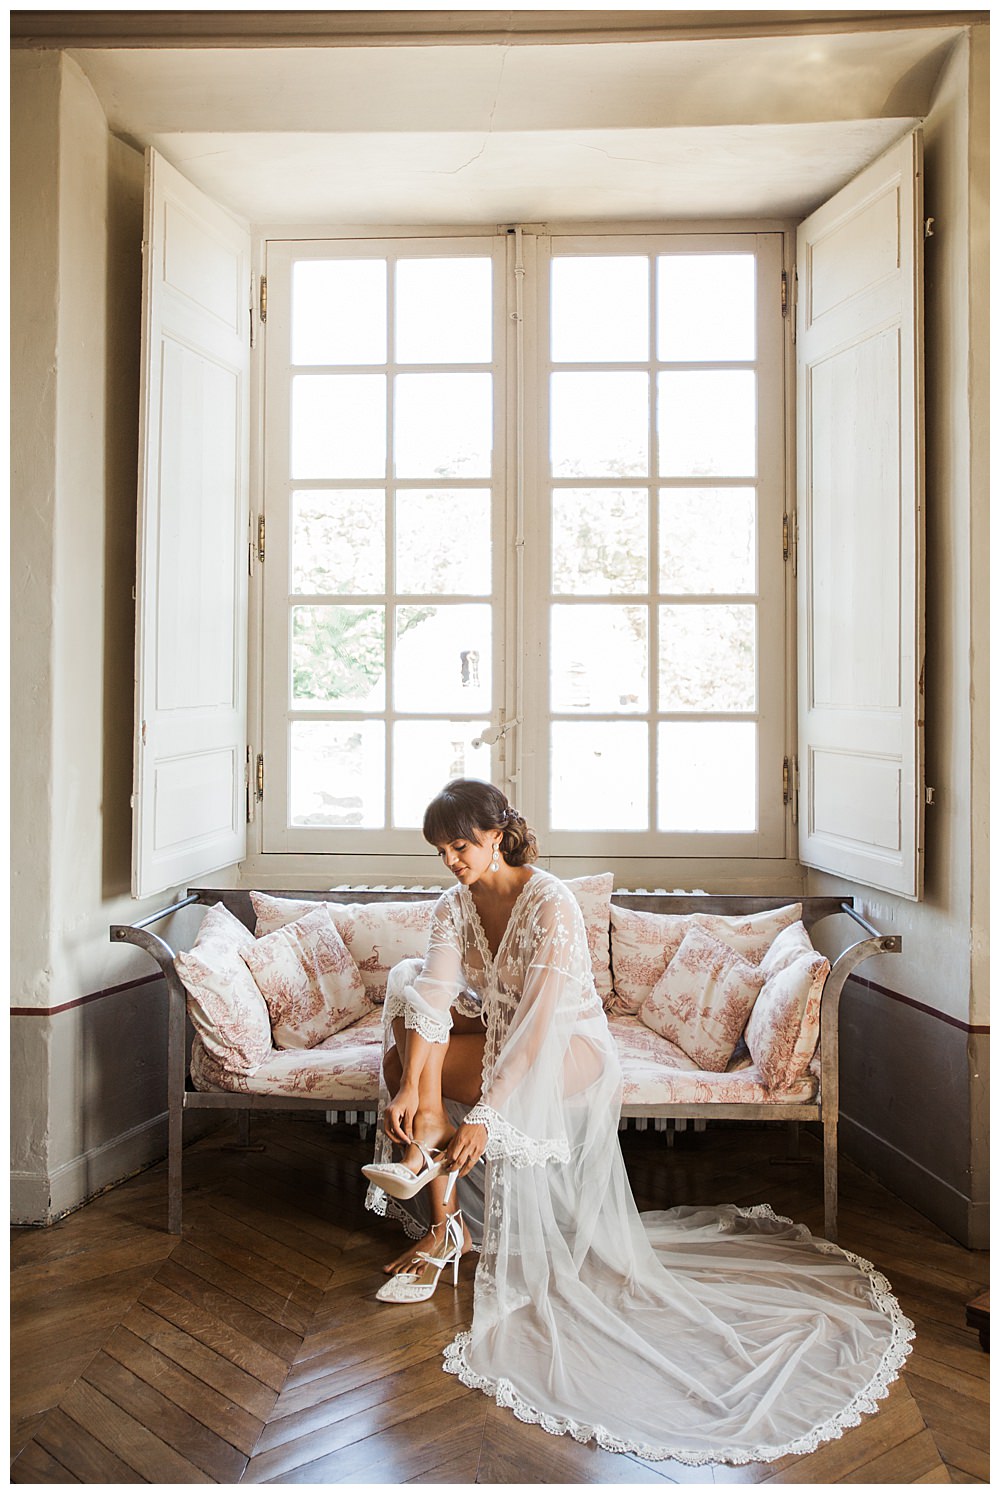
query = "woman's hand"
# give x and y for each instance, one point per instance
(465, 1148)
(400, 1114)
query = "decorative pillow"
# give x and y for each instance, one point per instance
(225, 1007)
(377, 935)
(310, 983)
(703, 999)
(788, 946)
(642, 944)
(594, 896)
(752, 934)
(783, 1029)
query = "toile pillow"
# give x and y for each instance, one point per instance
(306, 976)
(751, 934)
(377, 935)
(226, 1008)
(594, 896)
(787, 947)
(783, 1029)
(703, 999)
(642, 945)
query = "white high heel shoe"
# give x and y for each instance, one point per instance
(407, 1286)
(402, 1181)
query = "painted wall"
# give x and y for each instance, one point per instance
(914, 1076)
(88, 1085)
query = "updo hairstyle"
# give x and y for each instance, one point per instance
(468, 808)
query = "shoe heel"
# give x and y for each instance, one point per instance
(450, 1185)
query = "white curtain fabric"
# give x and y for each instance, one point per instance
(701, 1334)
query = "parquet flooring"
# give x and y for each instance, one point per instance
(251, 1349)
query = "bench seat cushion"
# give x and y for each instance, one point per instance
(343, 1069)
(658, 1072)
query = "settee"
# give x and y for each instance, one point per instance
(762, 1044)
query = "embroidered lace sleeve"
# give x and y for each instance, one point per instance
(427, 997)
(512, 1145)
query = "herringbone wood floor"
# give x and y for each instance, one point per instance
(252, 1350)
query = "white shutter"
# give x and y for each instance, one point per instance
(189, 814)
(861, 521)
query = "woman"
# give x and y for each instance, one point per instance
(705, 1335)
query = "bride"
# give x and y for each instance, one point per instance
(702, 1334)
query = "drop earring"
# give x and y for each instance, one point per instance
(495, 863)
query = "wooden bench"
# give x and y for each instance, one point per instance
(823, 1108)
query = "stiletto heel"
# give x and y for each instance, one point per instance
(406, 1286)
(401, 1181)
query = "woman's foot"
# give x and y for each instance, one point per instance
(431, 1244)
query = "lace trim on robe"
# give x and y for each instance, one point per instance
(864, 1403)
(509, 1144)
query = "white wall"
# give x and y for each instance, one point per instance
(87, 1080)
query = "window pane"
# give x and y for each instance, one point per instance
(426, 755)
(443, 658)
(338, 311)
(708, 539)
(444, 311)
(706, 307)
(599, 424)
(707, 423)
(338, 657)
(599, 775)
(337, 773)
(598, 660)
(708, 658)
(706, 776)
(338, 541)
(599, 540)
(443, 541)
(444, 425)
(600, 310)
(338, 425)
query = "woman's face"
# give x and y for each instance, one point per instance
(469, 859)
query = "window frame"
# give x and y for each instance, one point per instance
(702, 855)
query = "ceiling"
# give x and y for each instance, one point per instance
(691, 127)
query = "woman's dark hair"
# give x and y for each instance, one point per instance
(466, 808)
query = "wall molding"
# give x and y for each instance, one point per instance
(919, 1006)
(953, 1211)
(66, 1006)
(42, 1198)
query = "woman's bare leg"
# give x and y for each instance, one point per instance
(454, 1068)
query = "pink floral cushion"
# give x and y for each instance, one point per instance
(783, 1029)
(343, 1069)
(226, 1009)
(310, 983)
(377, 935)
(594, 896)
(643, 944)
(656, 1072)
(752, 935)
(703, 999)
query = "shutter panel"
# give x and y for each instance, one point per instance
(189, 813)
(861, 521)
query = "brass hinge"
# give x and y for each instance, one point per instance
(263, 298)
(790, 540)
(260, 776)
(260, 538)
(251, 796)
(790, 785)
